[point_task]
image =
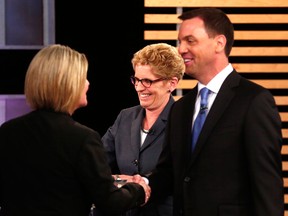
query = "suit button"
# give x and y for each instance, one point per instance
(187, 179)
(135, 162)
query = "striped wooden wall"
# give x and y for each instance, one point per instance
(260, 51)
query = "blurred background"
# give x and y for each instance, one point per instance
(108, 34)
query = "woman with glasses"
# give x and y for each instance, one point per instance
(134, 142)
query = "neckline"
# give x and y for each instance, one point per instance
(144, 131)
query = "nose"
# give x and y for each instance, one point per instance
(182, 48)
(139, 86)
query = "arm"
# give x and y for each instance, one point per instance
(95, 174)
(263, 140)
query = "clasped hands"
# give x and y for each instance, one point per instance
(122, 179)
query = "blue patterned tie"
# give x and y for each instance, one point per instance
(199, 121)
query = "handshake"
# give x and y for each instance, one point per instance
(120, 180)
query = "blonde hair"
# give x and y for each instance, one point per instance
(163, 58)
(55, 78)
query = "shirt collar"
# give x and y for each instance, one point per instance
(215, 84)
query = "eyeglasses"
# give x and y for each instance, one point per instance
(145, 82)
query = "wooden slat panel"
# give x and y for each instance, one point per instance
(160, 35)
(273, 84)
(186, 84)
(259, 51)
(258, 18)
(281, 100)
(177, 97)
(285, 180)
(161, 18)
(285, 166)
(284, 116)
(261, 35)
(262, 68)
(284, 151)
(270, 84)
(239, 35)
(285, 133)
(235, 18)
(215, 3)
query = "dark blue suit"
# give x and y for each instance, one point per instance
(236, 167)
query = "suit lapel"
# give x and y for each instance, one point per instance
(221, 103)
(135, 133)
(159, 126)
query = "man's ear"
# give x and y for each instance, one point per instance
(220, 43)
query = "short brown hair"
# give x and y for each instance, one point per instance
(164, 59)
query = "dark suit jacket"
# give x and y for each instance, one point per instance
(51, 165)
(126, 156)
(235, 169)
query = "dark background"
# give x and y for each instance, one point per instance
(108, 34)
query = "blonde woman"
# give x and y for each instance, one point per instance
(49, 163)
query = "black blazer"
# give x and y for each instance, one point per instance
(236, 167)
(52, 165)
(126, 156)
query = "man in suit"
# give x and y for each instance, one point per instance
(235, 168)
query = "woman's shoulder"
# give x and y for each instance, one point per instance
(131, 111)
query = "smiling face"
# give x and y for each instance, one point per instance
(197, 49)
(157, 95)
